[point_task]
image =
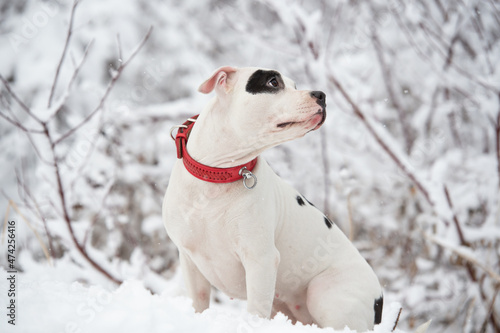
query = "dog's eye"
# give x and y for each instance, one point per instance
(273, 83)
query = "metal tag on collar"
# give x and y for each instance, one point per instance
(247, 174)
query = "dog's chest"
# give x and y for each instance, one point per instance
(209, 232)
(212, 246)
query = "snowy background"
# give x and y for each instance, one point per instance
(407, 163)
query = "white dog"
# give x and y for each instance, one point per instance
(242, 229)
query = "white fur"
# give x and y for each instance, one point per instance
(260, 244)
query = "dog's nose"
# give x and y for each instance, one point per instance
(320, 97)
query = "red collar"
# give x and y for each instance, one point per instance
(205, 172)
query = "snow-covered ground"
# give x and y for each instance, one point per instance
(49, 300)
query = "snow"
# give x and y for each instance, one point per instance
(51, 302)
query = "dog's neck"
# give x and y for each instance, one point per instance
(224, 150)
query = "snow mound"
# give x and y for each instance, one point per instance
(62, 306)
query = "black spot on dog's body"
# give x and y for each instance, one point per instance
(265, 82)
(300, 200)
(328, 223)
(377, 307)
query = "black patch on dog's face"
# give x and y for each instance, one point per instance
(300, 201)
(328, 223)
(265, 82)
(377, 307)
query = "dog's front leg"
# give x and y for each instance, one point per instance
(260, 273)
(197, 285)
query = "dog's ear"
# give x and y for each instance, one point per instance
(218, 79)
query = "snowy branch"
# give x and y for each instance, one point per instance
(64, 52)
(464, 255)
(114, 77)
(65, 95)
(23, 106)
(54, 160)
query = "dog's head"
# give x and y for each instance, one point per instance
(264, 105)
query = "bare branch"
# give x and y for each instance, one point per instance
(66, 216)
(442, 10)
(463, 242)
(397, 320)
(490, 316)
(495, 11)
(40, 241)
(111, 84)
(34, 207)
(55, 164)
(67, 219)
(101, 208)
(18, 100)
(18, 124)
(462, 254)
(62, 195)
(429, 60)
(73, 77)
(436, 37)
(65, 51)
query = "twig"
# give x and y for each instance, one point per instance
(18, 100)
(471, 260)
(409, 34)
(495, 11)
(53, 144)
(27, 195)
(94, 219)
(67, 218)
(469, 311)
(442, 10)
(14, 121)
(17, 123)
(463, 242)
(63, 55)
(44, 248)
(493, 275)
(455, 218)
(397, 320)
(490, 313)
(111, 84)
(73, 77)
